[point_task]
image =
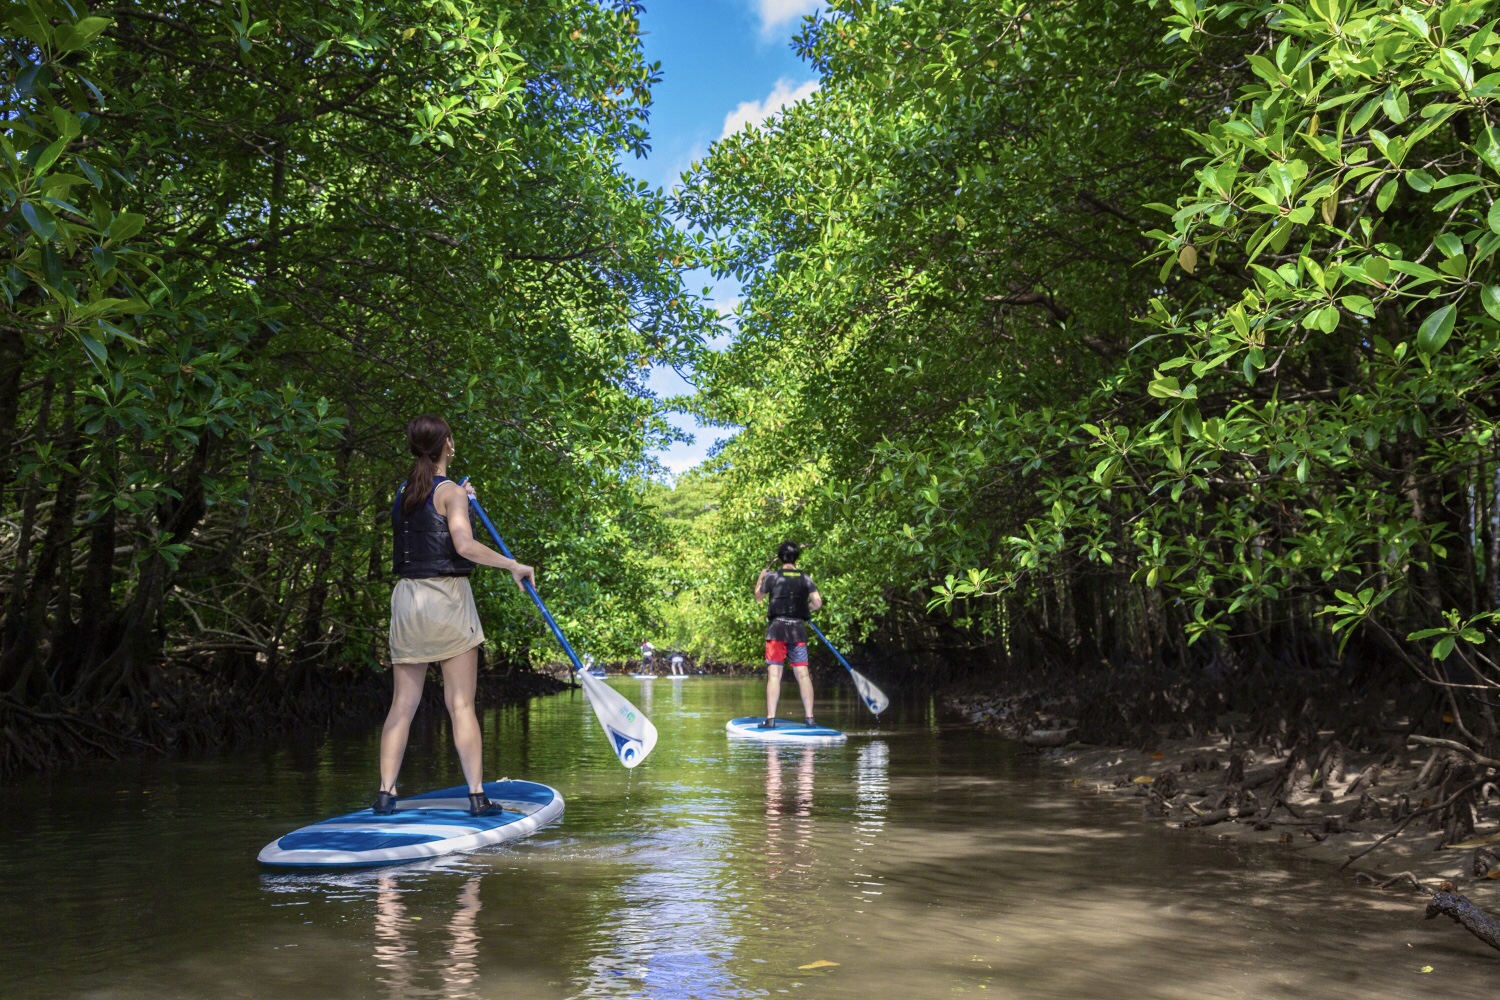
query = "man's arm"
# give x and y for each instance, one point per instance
(760, 583)
(815, 599)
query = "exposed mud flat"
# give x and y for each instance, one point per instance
(1379, 815)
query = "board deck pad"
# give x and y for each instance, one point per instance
(786, 731)
(423, 826)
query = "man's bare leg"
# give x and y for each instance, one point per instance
(804, 684)
(773, 688)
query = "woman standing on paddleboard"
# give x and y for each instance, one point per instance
(433, 618)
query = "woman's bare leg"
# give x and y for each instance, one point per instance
(460, 675)
(804, 684)
(406, 694)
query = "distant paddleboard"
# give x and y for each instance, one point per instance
(644, 677)
(423, 826)
(786, 731)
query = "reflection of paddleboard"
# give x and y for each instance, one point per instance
(423, 826)
(786, 731)
(644, 677)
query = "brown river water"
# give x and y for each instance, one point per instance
(923, 858)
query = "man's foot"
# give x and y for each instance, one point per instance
(385, 803)
(770, 723)
(811, 724)
(480, 805)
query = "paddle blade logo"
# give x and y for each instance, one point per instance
(631, 751)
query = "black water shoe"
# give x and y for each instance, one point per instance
(480, 805)
(811, 724)
(770, 723)
(385, 803)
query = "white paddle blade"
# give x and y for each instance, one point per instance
(631, 734)
(873, 696)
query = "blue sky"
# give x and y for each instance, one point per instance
(724, 63)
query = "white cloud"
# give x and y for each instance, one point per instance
(775, 13)
(755, 112)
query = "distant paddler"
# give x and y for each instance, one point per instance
(433, 618)
(792, 597)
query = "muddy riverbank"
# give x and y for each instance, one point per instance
(1377, 814)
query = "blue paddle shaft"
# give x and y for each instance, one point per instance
(551, 622)
(835, 652)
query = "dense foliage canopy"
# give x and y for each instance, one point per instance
(247, 242)
(1126, 333)
(1157, 338)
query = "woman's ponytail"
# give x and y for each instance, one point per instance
(426, 436)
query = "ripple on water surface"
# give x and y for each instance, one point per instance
(923, 860)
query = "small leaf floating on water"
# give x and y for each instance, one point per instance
(1158, 755)
(1144, 779)
(1425, 968)
(821, 963)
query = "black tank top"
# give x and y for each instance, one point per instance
(422, 546)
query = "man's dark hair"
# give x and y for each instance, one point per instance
(788, 552)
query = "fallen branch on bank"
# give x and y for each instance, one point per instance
(1456, 747)
(1413, 815)
(1481, 924)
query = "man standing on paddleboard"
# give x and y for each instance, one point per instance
(793, 597)
(433, 618)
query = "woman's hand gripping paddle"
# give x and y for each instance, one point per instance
(631, 734)
(874, 698)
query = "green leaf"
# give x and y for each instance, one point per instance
(1489, 297)
(1488, 147)
(1387, 195)
(49, 156)
(126, 225)
(1436, 329)
(39, 219)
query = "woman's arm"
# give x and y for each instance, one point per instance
(454, 505)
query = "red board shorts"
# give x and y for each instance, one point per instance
(786, 636)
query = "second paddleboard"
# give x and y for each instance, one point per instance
(785, 731)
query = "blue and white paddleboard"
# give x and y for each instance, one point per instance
(786, 731)
(644, 677)
(423, 826)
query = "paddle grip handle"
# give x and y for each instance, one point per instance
(505, 550)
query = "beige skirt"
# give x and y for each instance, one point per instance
(433, 619)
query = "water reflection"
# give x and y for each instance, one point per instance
(923, 861)
(398, 955)
(872, 790)
(789, 824)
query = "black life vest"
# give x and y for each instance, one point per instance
(788, 590)
(422, 546)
